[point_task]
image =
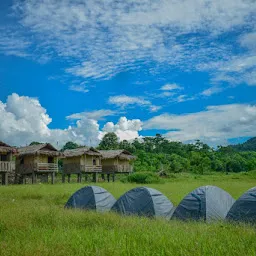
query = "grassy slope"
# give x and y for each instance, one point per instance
(33, 222)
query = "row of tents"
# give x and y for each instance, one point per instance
(207, 203)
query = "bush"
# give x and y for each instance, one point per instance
(143, 178)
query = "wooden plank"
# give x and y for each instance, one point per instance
(6, 178)
(53, 177)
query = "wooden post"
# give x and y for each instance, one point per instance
(108, 177)
(79, 177)
(3, 178)
(33, 178)
(53, 177)
(86, 177)
(113, 177)
(63, 177)
(103, 176)
(68, 178)
(95, 177)
(47, 177)
(6, 178)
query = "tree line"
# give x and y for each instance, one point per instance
(157, 154)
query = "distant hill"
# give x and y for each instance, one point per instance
(249, 145)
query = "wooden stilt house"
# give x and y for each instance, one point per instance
(34, 160)
(80, 161)
(6, 164)
(116, 161)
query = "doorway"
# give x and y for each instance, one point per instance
(50, 160)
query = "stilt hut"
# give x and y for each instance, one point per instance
(80, 161)
(6, 164)
(117, 161)
(34, 160)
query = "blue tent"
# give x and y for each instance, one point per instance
(144, 201)
(91, 198)
(206, 203)
(244, 209)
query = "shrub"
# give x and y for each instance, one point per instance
(143, 178)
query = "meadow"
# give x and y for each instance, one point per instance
(34, 222)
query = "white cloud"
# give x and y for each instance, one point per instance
(23, 120)
(124, 129)
(78, 88)
(171, 87)
(124, 101)
(103, 40)
(95, 115)
(239, 64)
(212, 90)
(234, 71)
(215, 125)
(11, 43)
(248, 40)
(183, 98)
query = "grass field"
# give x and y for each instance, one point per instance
(33, 222)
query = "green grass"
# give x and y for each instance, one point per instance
(33, 222)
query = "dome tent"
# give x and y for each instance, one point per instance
(244, 209)
(206, 203)
(91, 198)
(143, 201)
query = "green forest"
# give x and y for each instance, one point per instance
(159, 155)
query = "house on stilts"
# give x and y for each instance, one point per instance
(79, 161)
(35, 160)
(116, 161)
(6, 164)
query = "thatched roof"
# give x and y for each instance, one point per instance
(81, 151)
(5, 148)
(120, 154)
(40, 149)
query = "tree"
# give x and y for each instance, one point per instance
(127, 146)
(35, 143)
(109, 141)
(70, 145)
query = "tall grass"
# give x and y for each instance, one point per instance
(33, 222)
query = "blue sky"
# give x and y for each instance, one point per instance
(74, 70)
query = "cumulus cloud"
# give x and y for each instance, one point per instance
(215, 125)
(124, 101)
(23, 120)
(124, 129)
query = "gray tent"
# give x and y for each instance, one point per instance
(206, 203)
(144, 201)
(244, 209)
(91, 198)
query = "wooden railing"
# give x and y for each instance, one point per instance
(39, 167)
(77, 168)
(117, 168)
(5, 166)
(46, 167)
(92, 168)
